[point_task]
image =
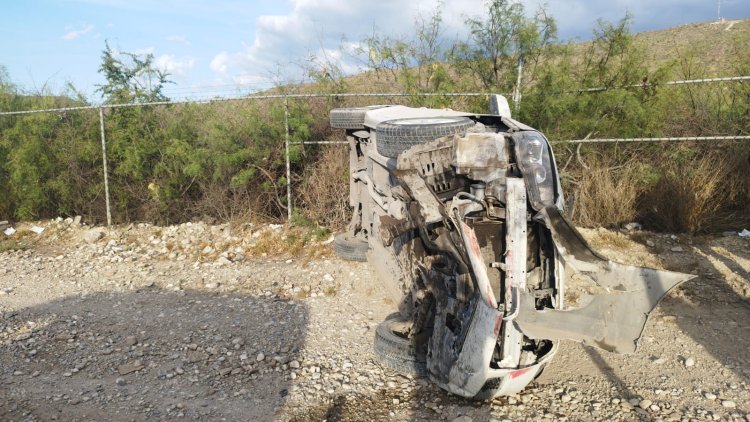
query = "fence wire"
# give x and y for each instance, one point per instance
(663, 139)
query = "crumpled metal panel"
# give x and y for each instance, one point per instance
(613, 320)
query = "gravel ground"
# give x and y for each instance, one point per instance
(194, 322)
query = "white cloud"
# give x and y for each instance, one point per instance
(315, 29)
(74, 34)
(220, 63)
(175, 66)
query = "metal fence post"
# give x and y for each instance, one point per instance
(288, 163)
(104, 164)
(517, 89)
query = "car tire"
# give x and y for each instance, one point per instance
(350, 248)
(396, 351)
(396, 136)
(350, 118)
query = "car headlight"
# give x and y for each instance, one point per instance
(534, 161)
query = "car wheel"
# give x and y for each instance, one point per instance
(350, 118)
(394, 349)
(350, 248)
(396, 136)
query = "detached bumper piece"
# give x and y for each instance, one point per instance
(614, 320)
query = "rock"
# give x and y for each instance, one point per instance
(565, 398)
(677, 249)
(130, 367)
(633, 226)
(645, 404)
(294, 364)
(729, 404)
(120, 381)
(93, 235)
(634, 402)
(260, 357)
(131, 341)
(689, 362)
(328, 278)
(709, 396)
(223, 261)
(650, 243)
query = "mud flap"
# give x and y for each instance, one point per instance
(613, 320)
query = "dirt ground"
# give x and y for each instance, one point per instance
(194, 322)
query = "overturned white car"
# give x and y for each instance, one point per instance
(462, 217)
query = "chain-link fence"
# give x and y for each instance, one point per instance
(282, 121)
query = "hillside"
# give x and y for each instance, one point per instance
(712, 45)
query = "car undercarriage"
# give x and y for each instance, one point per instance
(462, 217)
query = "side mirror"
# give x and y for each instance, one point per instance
(499, 106)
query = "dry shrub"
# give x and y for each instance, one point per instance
(220, 203)
(703, 194)
(324, 194)
(606, 195)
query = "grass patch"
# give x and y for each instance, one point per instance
(295, 241)
(607, 239)
(11, 244)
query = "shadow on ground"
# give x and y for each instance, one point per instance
(147, 355)
(714, 311)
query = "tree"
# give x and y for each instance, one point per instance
(131, 78)
(497, 42)
(135, 144)
(416, 62)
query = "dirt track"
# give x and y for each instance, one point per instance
(151, 323)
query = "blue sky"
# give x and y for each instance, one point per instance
(233, 47)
